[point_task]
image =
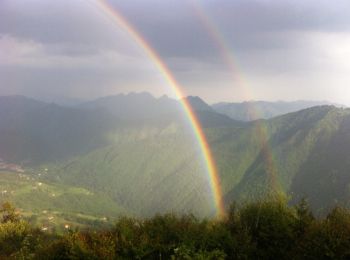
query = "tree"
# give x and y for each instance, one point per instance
(304, 215)
(9, 213)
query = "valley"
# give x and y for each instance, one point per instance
(107, 165)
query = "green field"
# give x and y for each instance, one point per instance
(55, 205)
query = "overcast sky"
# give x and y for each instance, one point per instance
(221, 50)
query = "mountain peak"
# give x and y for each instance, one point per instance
(198, 104)
(165, 97)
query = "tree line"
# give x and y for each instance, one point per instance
(269, 229)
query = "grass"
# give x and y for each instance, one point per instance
(55, 205)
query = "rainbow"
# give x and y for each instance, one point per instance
(238, 77)
(118, 18)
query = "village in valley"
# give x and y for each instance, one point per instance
(4, 166)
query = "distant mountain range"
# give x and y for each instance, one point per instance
(134, 154)
(253, 110)
(137, 106)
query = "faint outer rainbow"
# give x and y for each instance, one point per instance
(238, 77)
(162, 67)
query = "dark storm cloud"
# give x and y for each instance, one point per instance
(75, 27)
(175, 28)
(70, 45)
(269, 15)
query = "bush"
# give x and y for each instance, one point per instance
(262, 230)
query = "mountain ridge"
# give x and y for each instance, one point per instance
(253, 110)
(135, 165)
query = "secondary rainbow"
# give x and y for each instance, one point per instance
(238, 77)
(177, 89)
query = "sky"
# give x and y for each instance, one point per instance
(220, 50)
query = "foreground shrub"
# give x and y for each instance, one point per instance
(271, 226)
(261, 230)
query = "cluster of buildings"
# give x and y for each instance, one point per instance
(10, 167)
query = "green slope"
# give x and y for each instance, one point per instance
(154, 166)
(152, 170)
(325, 176)
(147, 173)
(293, 140)
(53, 205)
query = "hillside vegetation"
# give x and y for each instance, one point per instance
(261, 230)
(101, 166)
(265, 158)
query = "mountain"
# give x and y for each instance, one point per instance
(78, 157)
(276, 157)
(305, 154)
(144, 108)
(207, 116)
(198, 104)
(35, 132)
(134, 106)
(253, 110)
(145, 175)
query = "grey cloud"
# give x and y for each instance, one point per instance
(290, 46)
(76, 26)
(272, 15)
(174, 27)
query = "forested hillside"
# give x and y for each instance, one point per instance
(74, 158)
